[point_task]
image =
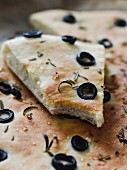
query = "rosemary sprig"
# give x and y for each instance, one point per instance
(70, 82)
(28, 109)
(49, 144)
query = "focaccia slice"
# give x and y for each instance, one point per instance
(48, 67)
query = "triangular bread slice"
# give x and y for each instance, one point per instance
(44, 65)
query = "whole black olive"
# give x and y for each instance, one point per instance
(87, 91)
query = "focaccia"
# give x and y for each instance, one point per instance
(108, 28)
(54, 71)
(22, 138)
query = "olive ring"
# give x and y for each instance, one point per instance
(10, 114)
(57, 162)
(87, 91)
(85, 59)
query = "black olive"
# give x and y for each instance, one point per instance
(10, 114)
(69, 19)
(107, 96)
(3, 155)
(69, 39)
(106, 43)
(5, 87)
(59, 165)
(79, 143)
(120, 23)
(16, 92)
(85, 59)
(32, 34)
(87, 91)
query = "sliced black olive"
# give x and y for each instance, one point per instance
(5, 87)
(79, 143)
(3, 155)
(8, 112)
(120, 23)
(69, 39)
(69, 19)
(87, 91)
(64, 162)
(85, 59)
(16, 92)
(107, 96)
(106, 43)
(32, 34)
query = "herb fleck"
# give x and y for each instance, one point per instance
(39, 54)
(42, 41)
(86, 67)
(32, 59)
(12, 138)
(70, 82)
(1, 105)
(78, 75)
(6, 129)
(51, 63)
(82, 28)
(104, 158)
(117, 153)
(99, 71)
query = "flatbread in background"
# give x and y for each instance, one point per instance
(92, 27)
